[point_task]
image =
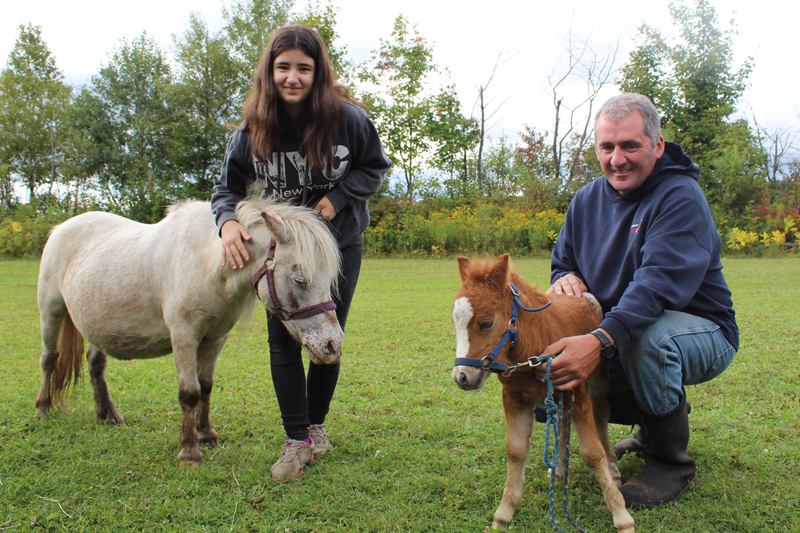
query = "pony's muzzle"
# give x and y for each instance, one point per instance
(324, 347)
(469, 377)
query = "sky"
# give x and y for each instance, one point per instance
(467, 41)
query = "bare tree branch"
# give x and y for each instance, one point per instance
(780, 144)
(482, 105)
(572, 120)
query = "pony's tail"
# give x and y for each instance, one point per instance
(70, 360)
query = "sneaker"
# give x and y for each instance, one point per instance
(322, 443)
(296, 453)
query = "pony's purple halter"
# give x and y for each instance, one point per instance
(269, 270)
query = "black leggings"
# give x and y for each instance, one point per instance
(305, 401)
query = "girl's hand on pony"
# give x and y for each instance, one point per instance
(325, 208)
(233, 250)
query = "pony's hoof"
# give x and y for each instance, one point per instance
(190, 458)
(42, 414)
(499, 524)
(108, 414)
(112, 418)
(211, 438)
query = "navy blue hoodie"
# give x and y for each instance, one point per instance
(359, 168)
(652, 249)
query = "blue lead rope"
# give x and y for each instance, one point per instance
(555, 413)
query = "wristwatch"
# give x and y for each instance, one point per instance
(607, 347)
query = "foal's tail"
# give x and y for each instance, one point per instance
(70, 359)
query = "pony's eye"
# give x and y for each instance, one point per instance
(300, 280)
(486, 323)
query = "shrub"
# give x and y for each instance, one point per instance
(434, 228)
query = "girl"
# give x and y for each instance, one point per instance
(304, 141)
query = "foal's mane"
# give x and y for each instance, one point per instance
(316, 246)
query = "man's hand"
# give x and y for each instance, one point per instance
(233, 250)
(325, 208)
(570, 285)
(577, 358)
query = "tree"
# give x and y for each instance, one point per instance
(33, 100)
(401, 109)
(692, 83)
(130, 94)
(534, 157)
(539, 181)
(735, 174)
(206, 100)
(501, 171)
(86, 148)
(452, 134)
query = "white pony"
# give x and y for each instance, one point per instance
(137, 291)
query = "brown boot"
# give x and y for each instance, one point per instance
(669, 471)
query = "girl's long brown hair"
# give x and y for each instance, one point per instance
(264, 111)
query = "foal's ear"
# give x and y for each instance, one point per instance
(463, 267)
(276, 227)
(499, 272)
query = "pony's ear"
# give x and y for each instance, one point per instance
(463, 267)
(499, 273)
(276, 227)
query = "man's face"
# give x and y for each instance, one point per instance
(625, 152)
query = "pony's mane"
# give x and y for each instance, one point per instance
(315, 244)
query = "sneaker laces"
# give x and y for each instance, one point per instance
(292, 448)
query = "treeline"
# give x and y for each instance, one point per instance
(150, 129)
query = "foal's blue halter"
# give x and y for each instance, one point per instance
(488, 362)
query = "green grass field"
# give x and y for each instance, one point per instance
(414, 453)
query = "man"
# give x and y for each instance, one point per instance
(643, 241)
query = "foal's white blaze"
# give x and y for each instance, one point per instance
(462, 314)
(467, 377)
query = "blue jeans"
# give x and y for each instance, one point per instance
(679, 349)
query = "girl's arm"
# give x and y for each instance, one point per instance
(230, 186)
